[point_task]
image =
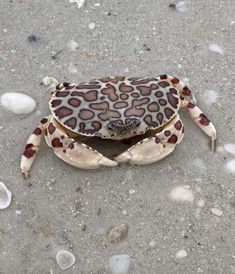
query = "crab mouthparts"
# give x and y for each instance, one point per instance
(119, 126)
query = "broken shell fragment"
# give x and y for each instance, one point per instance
(65, 259)
(5, 196)
(117, 233)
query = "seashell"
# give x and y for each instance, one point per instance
(5, 196)
(65, 259)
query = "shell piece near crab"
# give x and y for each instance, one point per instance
(115, 108)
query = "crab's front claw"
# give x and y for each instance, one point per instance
(145, 152)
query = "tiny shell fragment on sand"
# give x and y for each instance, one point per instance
(5, 196)
(65, 259)
(117, 233)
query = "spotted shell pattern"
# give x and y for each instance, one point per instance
(87, 107)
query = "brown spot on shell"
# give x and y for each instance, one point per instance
(97, 125)
(124, 96)
(56, 143)
(113, 80)
(190, 105)
(71, 145)
(120, 105)
(167, 133)
(149, 121)
(173, 91)
(174, 101)
(125, 88)
(153, 107)
(88, 86)
(72, 122)
(162, 102)
(136, 109)
(141, 81)
(163, 84)
(163, 76)
(204, 120)
(178, 125)
(62, 112)
(62, 93)
(86, 114)
(28, 153)
(186, 91)
(74, 102)
(55, 103)
(157, 140)
(100, 106)
(175, 81)
(51, 128)
(145, 91)
(160, 117)
(88, 96)
(109, 115)
(28, 146)
(111, 92)
(173, 139)
(37, 131)
(158, 94)
(134, 95)
(44, 121)
(168, 112)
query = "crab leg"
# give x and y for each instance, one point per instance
(32, 147)
(73, 152)
(202, 121)
(155, 148)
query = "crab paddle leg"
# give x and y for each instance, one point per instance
(155, 148)
(202, 121)
(32, 147)
(73, 152)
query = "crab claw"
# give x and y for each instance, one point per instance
(104, 161)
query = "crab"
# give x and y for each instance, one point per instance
(115, 108)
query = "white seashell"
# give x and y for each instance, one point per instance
(65, 259)
(181, 254)
(216, 211)
(80, 3)
(119, 264)
(215, 48)
(230, 166)
(72, 45)
(230, 148)
(210, 97)
(182, 194)
(181, 6)
(18, 103)
(91, 26)
(5, 196)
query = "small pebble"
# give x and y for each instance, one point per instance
(182, 194)
(152, 243)
(215, 48)
(97, 4)
(230, 166)
(32, 38)
(72, 68)
(72, 45)
(201, 203)
(131, 191)
(5, 196)
(181, 254)
(230, 148)
(18, 103)
(65, 259)
(18, 212)
(91, 26)
(210, 97)
(119, 264)
(117, 233)
(80, 3)
(216, 211)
